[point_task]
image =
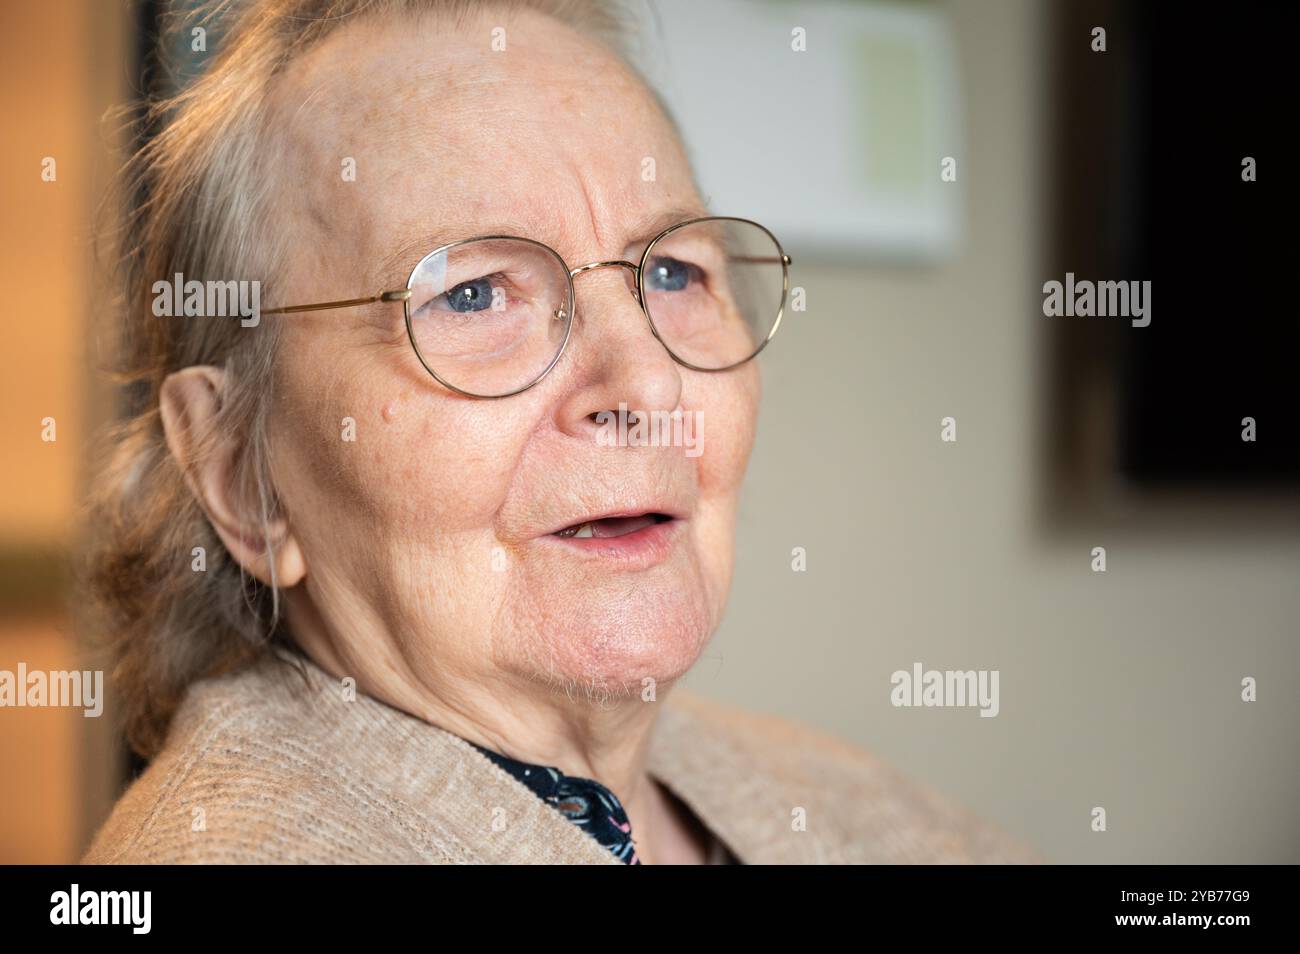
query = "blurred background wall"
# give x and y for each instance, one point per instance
(62, 65)
(1118, 689)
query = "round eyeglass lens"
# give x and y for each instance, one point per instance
(488, 317)
(714, 290)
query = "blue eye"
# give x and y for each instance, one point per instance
(471, 296)
(669, 274)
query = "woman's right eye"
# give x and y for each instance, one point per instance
(470, 296)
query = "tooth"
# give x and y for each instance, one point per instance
(584, 530)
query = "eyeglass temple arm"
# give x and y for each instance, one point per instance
(399, 295)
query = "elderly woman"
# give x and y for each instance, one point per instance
(386, 585)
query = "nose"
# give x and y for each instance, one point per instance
(624, 364)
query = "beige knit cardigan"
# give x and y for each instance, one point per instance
(258, 768)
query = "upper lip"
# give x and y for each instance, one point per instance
(666, 510)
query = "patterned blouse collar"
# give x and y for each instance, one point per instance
(585, 802)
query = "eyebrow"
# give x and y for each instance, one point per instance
(397, 266)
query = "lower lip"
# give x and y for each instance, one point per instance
(642, 548)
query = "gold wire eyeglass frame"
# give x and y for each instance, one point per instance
(404, 295)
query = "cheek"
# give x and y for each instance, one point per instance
(387, 459)
(729, 403)
(436, 465)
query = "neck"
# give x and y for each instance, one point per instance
(605, 739)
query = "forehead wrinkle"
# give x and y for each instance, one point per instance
(396, 267)
(462, 214)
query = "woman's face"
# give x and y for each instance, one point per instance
(429, 539)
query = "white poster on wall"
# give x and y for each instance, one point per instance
(834, 123)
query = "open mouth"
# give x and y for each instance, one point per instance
(608, 527)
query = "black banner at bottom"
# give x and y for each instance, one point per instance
(337, 904)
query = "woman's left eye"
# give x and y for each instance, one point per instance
(671, 274)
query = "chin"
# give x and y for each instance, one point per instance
(611, 644)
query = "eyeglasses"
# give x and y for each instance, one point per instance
(489, 317)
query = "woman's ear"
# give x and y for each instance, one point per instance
(190, 403)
